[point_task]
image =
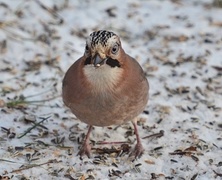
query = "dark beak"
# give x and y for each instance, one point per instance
(97, 61)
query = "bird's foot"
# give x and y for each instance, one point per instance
(137, 152)
(84, 150)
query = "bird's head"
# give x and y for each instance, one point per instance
(103, 61)
(103, 47)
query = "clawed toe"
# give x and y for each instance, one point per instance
(137, 152)
(84, 150)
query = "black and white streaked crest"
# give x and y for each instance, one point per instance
(100, 37)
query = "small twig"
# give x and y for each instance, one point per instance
(157, 135)
(186, 153)
(34, 165)
(22, 102)
(40, 125)
(35, 125)
(117, 142)
(6, 23)
(16, 36)
(37, 94)
(5, 160)
(218, 174)
(49, 10)
(106, 150)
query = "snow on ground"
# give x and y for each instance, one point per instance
(179, 45)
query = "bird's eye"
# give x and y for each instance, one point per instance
(87, 48)
(115, 49)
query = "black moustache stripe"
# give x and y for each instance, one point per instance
(88, 60)
(113, 62)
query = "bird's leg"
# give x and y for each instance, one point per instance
(138, 150)
(85, 148)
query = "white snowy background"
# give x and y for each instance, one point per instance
(179, 45)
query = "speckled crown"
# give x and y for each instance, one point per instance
(100, 37)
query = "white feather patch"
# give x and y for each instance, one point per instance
(103, 77)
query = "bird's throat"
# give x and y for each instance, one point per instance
(104, 77)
